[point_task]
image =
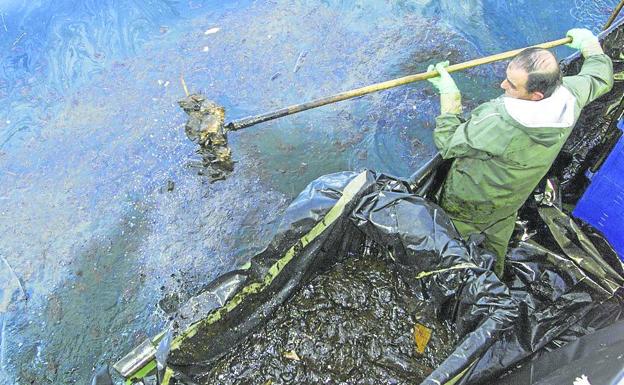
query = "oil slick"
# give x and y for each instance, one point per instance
(7, 294)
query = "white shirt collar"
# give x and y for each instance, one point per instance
(554, 111)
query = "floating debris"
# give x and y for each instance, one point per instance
(205, 127)
(292, 355)
(299, 61)
(16, 280)
(211, 31)
(19, 38)
(422, 335)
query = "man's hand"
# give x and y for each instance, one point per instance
(443, 83)
(450, 97)
(585, 41)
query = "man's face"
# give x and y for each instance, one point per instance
(515, 85)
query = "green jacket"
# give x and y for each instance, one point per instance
(507, 146)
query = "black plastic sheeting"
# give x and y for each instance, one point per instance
(457, 278)
(558, 285)
(209, 343)
(558, 300)
(548, 300)
(101, 376)
(597, 358)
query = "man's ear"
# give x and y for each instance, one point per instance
(536, 96)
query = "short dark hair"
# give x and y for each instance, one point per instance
(543, 69)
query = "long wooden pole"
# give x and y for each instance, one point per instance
(614, 14)
(252, 120)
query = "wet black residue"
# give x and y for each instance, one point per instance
(352, 325)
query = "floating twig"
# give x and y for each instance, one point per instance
(19, 283)
(299, 61)
(186, 91)
(19, 38)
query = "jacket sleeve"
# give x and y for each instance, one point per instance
(594, 80)
(480, 137)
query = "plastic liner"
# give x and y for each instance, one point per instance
(337, 217)
(597, 358)
(596, 132)
(558, 302)
(456, 277)
(563, 286)
(101, 376)
(551, 297)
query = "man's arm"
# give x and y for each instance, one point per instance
(450, 97)
(450, 108)
(596, 76)
(478, 138)
(481, 137)
(445, 128)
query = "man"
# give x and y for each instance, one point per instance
(509, 143)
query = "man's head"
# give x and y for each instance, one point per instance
(532, 75)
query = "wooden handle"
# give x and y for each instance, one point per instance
(614, 14)
(498, 57)
(252, 120)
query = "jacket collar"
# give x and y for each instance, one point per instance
(554, 111)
